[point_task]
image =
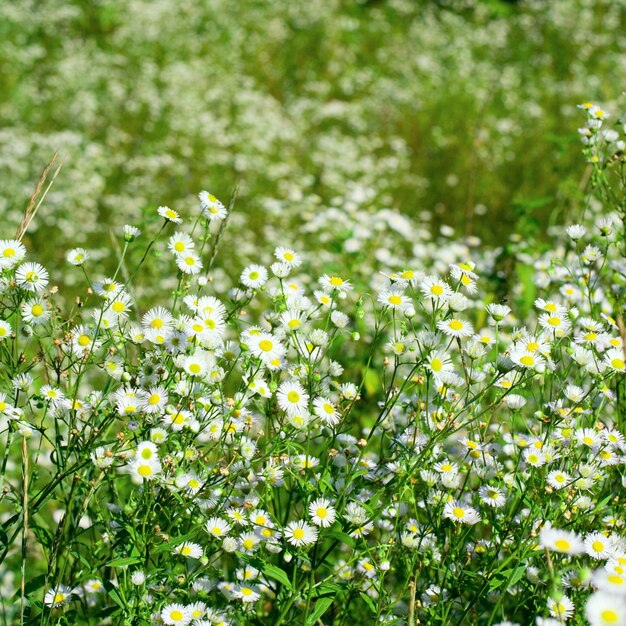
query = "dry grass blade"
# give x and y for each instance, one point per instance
(38, 196)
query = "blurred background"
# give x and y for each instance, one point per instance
(457, 112)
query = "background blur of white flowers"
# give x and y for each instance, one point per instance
(441, 110)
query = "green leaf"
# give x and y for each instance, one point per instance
(326, 588)
(276, 573)
(129, 560)
(368, 601)
(321, 606)
(340, 536)
(32, 585)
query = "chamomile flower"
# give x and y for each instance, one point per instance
(180, 243)
(267, 347)
(455, 327)
(32, 277)
(5, 330)
(177, 419)
(286, 255)
(299, 533)
(527, 360)
(558, 479)
(598, 546)
(254, 276)
(292, 397)
(176, 615)
(609, 581)
(292, 319)
(11, 253)
(322, 513)
(394, 298)
(119, 306)
(147, 450)
(461, 513)
(158, 318)
(93, 586)
(335, 283)
(190, 550)
(561, 609)
(614, 359)
(562, 541)
(493, 496)
(35, 311)
(169, 215)
(435, 289)
(606, 609)
(189, 263)
(57, 596)
(141, 469)
(555, 322)
(326, 411)
(155, 400)
(247, 593)
(77, 256)
(217, 527)
(211, 207)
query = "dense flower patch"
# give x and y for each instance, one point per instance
(306, 446)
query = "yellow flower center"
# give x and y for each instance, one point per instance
(458, 512)
(176, 615)
(609, 616)
(456, 325)
(298, 533)
(179, 246)
(293, 396)
(436, 290)
(266, 345)
(84, 340)
(395, 300)
(562, 544)
(335, 281)
(144, 470)
(597, 546)
(9, 252)
(527, 360)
